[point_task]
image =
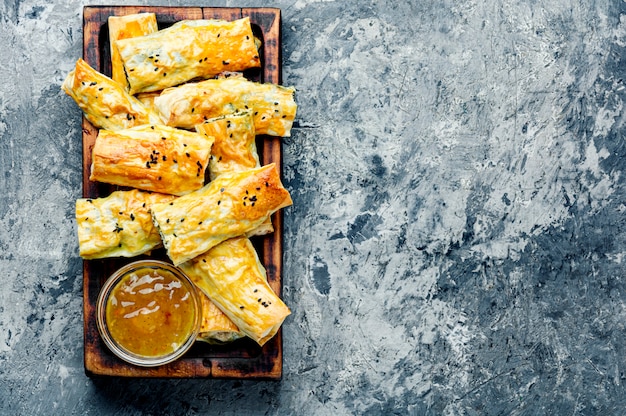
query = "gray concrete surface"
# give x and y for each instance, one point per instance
(456, 243)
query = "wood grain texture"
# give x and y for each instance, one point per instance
(241, 359)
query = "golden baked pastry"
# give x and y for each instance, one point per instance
(125, 27)
(232, 276)
(273, 106)
(151, 157)
(104, 102)
(119, 225)
(234, 150)
(216, 327)
(187, 50)
(231, 205)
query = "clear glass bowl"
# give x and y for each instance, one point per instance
(148, 305)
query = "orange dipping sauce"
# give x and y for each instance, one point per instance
(150, 312)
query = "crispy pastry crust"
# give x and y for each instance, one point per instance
(229, 206)
(234, 150)
(216, 327)
(152, 158)
(235, 145)
(104, 102)
(232, 276)
(188, 49)
(273, 106)
(125, 27)
(119, 225)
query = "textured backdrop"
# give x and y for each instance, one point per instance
(456, 241)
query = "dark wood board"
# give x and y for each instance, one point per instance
(242, 359)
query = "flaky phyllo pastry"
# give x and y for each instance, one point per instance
(235, 280)
(125, 27)
(234, 150)
(273, 106)
(104, 102)
(187, 50)
(152, 158)
(216, 327)
(119, 225)
(229, 206)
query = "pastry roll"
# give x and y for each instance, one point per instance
(232, 276)
(273, 106)
(104, 102)
(234, 150)
(216, 327)
(188, 49)
(119, 225)
(230, 206)
(151, 157)
(125, 27)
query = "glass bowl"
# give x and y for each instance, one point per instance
(148, 313)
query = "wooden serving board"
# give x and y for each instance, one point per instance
(242, 359)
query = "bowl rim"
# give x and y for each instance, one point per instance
(121, 352)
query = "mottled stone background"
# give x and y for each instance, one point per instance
(456, 242)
